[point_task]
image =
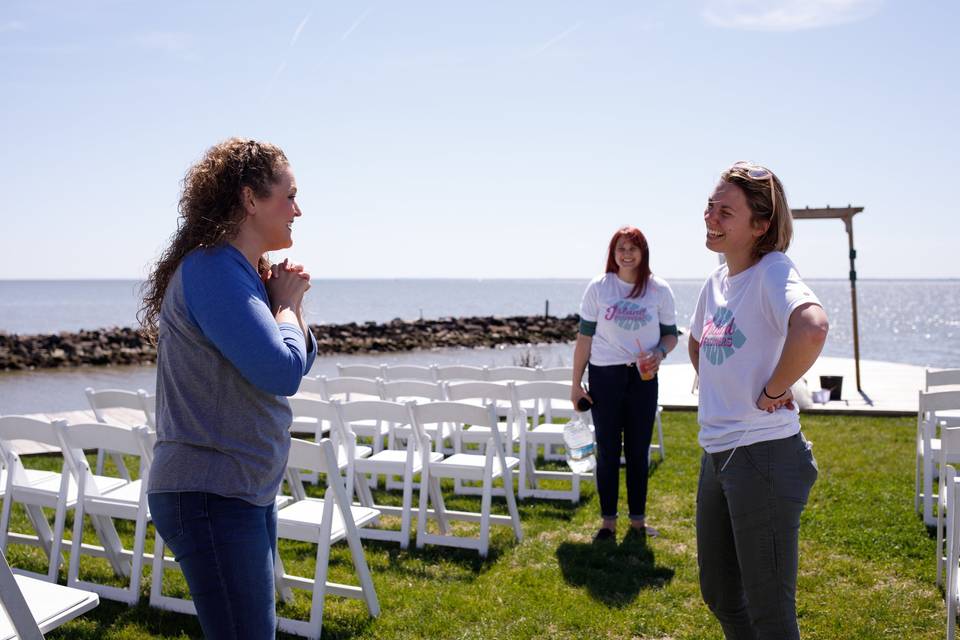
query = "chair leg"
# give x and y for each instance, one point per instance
(139, 544)
(426, 482)
(280, 584)
(359, 559)
(405, 513)
(485, 515)
(512, 508)
(323, 561)
(108, 535)
(76, 545)
(41, 526)
(59, 523)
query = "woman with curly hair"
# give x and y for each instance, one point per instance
(231, 343)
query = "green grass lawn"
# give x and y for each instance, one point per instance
(866, 562)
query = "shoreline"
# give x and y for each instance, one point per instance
(126, 346)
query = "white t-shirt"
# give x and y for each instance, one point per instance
(625, 326)
(741, 324)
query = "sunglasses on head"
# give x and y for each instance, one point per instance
(756, 172)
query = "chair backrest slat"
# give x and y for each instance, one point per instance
(349, 385)
(468, 390)
(394, 372)
(546, 390)
(939, 401)
(461, 372)
(941, 378)
(526, 374)
(368, 371)
(393, 389)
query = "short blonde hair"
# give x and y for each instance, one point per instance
(764, 205)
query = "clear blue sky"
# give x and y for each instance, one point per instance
(489, 139)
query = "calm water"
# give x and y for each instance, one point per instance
(913, 322)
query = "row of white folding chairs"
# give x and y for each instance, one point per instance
(103, 498)
(439, 373)
(76, 487)
(546, 399)
(514, 432)
(938, 407)
(485, 467)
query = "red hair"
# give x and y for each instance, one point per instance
(636, 237)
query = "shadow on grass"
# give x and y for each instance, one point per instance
(612, 574)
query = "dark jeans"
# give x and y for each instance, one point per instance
(624, 408)
(226, 548)
(748, 527)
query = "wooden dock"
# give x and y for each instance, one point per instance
(889, 388)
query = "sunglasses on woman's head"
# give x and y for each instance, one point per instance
(756, 172)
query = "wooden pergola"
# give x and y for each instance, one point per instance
(846, 214)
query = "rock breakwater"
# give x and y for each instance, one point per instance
(127, 346)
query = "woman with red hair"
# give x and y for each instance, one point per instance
(628, 325)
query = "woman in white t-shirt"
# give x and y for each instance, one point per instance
(628, 323)
(756, 329)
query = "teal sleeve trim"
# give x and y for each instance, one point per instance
(588, 328)
(668, 329)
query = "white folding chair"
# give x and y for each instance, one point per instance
(405, 463)
(32, 607)
(547, 434)
(479, 393)
(949, 455)
(486, 468)
(928, 447)
(449, 373)
(323, 523)
(119, 406)
(369, 371)
(404, 391)
(346, 449)
(347, 389)
(952, 584)
(127, 502)
(408, 372)
(55, 491)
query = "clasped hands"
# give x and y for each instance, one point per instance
(286, 282)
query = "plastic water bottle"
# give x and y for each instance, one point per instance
(578, 440)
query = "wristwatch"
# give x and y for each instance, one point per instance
(663, 351)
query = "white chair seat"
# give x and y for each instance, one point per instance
(123, 499)
(480, 434)
(301, 520)
(469, 464)
(45, 490)
(370, 428)
(390, 461)
(50, 604)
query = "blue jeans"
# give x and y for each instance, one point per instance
(748, 529)
(226, 549)
(624, 409)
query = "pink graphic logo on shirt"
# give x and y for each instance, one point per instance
(628, 315)
(721, 338)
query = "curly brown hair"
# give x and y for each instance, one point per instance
(764, 205)
(211, 211)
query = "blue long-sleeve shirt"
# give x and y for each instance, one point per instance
(223, 367)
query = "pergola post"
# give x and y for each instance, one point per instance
(846, 214)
